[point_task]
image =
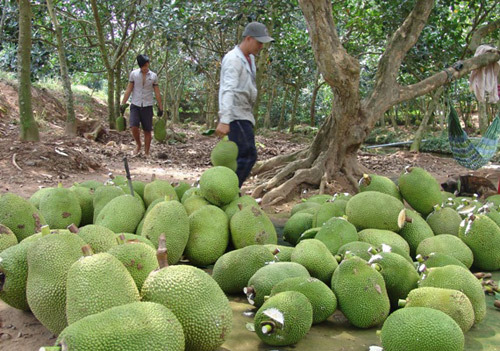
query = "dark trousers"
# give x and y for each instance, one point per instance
(241, 132)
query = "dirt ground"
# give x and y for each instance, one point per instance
(26, 167)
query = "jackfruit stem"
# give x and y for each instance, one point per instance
(496, 303)
(50, 348)
(408, 220)
(240, 206)
(249, 290)
(401, 303)
(276, 251)
(45, 230)
(59, 185)
(121, 239)
(153, 177)
(87, 250)
(73, 228)
(161, 253)
(267, 327)
(338, 258)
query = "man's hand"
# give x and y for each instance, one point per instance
(123, 107)
(159, 113)
(222, 129)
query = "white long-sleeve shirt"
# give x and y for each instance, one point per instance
(238, 90)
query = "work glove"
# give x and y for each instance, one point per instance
(160, 113)
(123, 107)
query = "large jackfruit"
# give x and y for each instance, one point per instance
(85, 197)
(315, 256)
(60, 207)
(20, 216)
(158, 189)
(337, 231)
(219, 185)
(296, 225)
(100, 238)
(377, 237)
(420, 189)
(224, 154)
(7, 237)
(103, 195)
(449, 245)
(121, 215)
(13, 275)
(415, 230)
(444, 220)
(373, 182)
(252, 226)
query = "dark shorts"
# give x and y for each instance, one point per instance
(241, 132)
(141, 116)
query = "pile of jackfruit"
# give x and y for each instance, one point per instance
(119, 266)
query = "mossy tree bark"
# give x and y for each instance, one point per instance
(28, 126)
(429, 110)
(333, 153)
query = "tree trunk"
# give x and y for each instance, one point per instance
(483, 116)
(2, 19)
(111, 99)
(317, 86)
(28, 127)
(281, 122)
(267, 116)
(294, 110)
(118, 88)
(63, 63)
(431, 107)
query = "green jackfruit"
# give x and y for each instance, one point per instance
(91, 184)
(495, 199)
(96, 283)
(159, 130)
(20, 216)
(219, 185)
(284, 319)
(232, 207)
(190, 192)
(224, 154)
(438, 259)
(482, 236)
(305, 206)
(458, 278)
(337, 231)
(170, 218)
(449, 245)
(134, 326)
(208, 236)
(308, 234)
(262, 282)
(60, 208)
(282, 253)
(356, 248)
(452, 302)
(415, 230)
(194, 203)
(444, 220)
(296, 225)
(361, 293)
(321, 297)
(420, 189)
(233, 269)
(373, 182)
(49, 259)
(252, 226)
(377, 237)
(13, 275)
(121, 215)
(181, 188)
(315, 256)
(35, 198)
(103, 195)
(120, 124)
(326, 211)
(198, 302)
(100, 238)
(7, 238)
(139, 187)
(371, 209)
(158, 189)
(135, 237)
(85, 197)
(320, 198)
(421, 328)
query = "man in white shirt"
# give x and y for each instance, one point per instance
(142, 83)
(237, 95)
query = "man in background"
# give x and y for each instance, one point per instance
(237, 95)
(142, 83)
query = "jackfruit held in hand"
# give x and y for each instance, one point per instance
(233, 269)
(20, 216)
(225, 153)
(284, 319)
(60, 207)
(371, 209)
(120, 124)
(121, 215)
(219, 185)
(420, 189)
(195, 298)
(482, 235)
(421, 328)
(160, 130)
(134, 326)
(373, 182)
(252, 226)
(49, 259)
(452, 302)
(96, 283)
(361, 293)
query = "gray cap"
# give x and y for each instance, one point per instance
(258, 31)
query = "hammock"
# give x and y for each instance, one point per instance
(464, 151)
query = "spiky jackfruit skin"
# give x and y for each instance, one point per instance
(233, 269)
(232, 207)
(134, 326)
(100, 238)
(160, 131)
(421, 328)
(121, 215)
(138, 258)
(315, 256)
(219, 185)
(420, 189)
(284, 254)
(139, 187)
(268, 276)
(14, 267)
(373, 182)
(135, 237)
(208, 235)
(60, 207)
(449, 245)
(85, 197)
(35, 198)
(377, 237)
(170, 218)
(305, 206)
(372, 209)
(482, 236)
(400, 276)
(91, 184)
(308, 234)
(198, 302)
(337, 231)
(321, 297)
(103, 195)
(452, 302)
(493, 214)
(296, 225)
(158, 189)
(415, 230)
(327, 211)
(320, 198)
(7, 238)
(495, 199)
(181, 188)
(361, 293)
(190, 192)
(49, 259)
(194, 203)
(120, 124)
(458, 278)
(438, 259)
(444, 221)
(356, 248)
(290, 313)
(20, 216)
(224, 154)
(96, 283)
(252, 226)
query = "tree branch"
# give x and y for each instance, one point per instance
(479, 34)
